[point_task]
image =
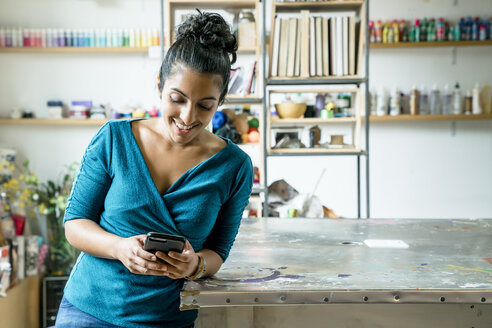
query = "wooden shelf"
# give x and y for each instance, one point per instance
(73, 50)
(409, 118)
(213, 3)
(311, 120)
(426, 44)
(41, 121)
(346, 3)
(314, 151)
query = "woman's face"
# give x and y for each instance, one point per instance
(188, 102)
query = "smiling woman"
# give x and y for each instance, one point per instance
(168, 175)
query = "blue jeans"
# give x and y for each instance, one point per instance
(71, 317)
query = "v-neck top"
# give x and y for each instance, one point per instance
(114, 188)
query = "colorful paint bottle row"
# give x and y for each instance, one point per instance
(431, 30)
(100, 38)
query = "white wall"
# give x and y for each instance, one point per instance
(418, 169)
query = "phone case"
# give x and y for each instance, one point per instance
(165, 243)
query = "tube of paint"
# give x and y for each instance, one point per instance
(476, 106)
(447, 98)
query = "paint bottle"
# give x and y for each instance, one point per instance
(476, 106)
(373, 102)
(482, 33)
(475, 27)
(379, 31)
(385, 32)
(468, 102)
(417, 30)
(447, 98)
(372, 32)
(457, 33)
(423, 29)
(390, 36)
(441, 30)
(424, 108)
(450, 34)
(61, 38)
(396, 31)
(402, 31)
(108, 37)
(435, 101)
(382, 103)
(431, 30)
(457, 101)
(395, 102)
(414, 101)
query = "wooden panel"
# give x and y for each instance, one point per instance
(311, 120)
(20, 308)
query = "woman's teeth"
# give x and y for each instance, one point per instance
(184, 127)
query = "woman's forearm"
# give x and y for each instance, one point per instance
(214, 261)
(90, 238)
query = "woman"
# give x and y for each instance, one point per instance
(167, 175)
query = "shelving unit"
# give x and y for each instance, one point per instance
(322, 84)
(411, 118)
(168, 8)
(430, 44)
(70, 50)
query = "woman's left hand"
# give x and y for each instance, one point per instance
(180, 265)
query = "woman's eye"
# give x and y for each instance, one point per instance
(176, 101)
(206, 107)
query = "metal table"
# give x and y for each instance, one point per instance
(321, 262)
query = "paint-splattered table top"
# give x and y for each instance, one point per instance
(318, 261)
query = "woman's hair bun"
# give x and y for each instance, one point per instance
(211, 30)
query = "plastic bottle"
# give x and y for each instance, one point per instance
(457, 32)
(474, 29)
(450, 34)
(476, 105)
(482, 33)
(374, 102)
(435, 100)
(441, 30)
(431, 31)
(396, 31)
(395, 102)
(417, 30)
(414, 101)
(424, 29)
(447, 98)
(402, 31)
(379, 31)
(385, 33)
(382, 103)
(424, 101)
(457, 101)
(468, 102)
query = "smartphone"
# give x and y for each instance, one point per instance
(163, 242)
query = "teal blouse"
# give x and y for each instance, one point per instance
(114, 188)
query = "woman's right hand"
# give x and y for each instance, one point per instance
(138, 261)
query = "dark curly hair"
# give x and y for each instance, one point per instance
(204, 41)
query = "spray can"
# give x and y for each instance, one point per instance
(482, 33)
(402, 31)
(386, 30)
(424, 29)
(441, 30)
(417, 30)
(435, 101)
(414, 101)
(450, 34)
(424, 108)
(446, 100)
(474, 30)
(476, 105)
(431, 30)
(396, 31)
(457, 102)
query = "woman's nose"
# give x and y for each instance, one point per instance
(188, 113)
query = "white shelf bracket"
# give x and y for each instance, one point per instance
(453, 55)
